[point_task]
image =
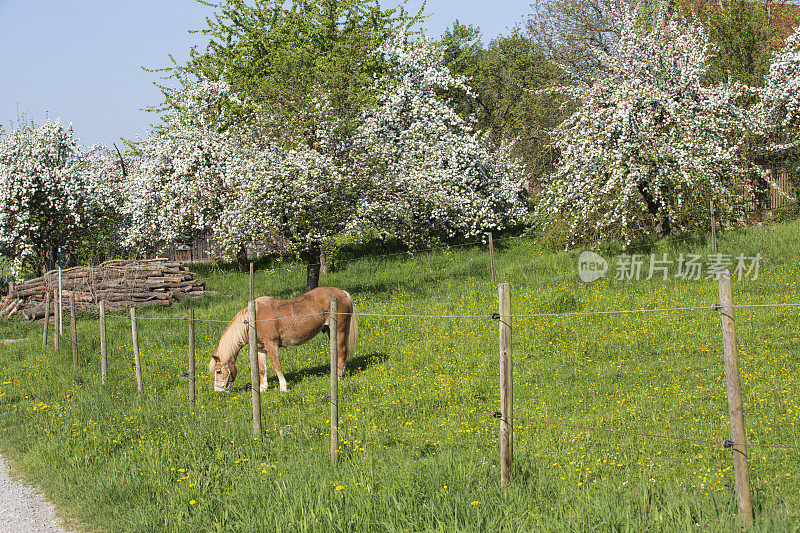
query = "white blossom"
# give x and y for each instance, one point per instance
(53, 192)
(779, 109)
(430, 174)
(178, 179)
(650, 143)
(413, 168)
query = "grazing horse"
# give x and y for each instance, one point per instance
(284, 323)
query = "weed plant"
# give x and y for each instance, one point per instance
(419, 448)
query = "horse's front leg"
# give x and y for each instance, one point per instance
(272, 351)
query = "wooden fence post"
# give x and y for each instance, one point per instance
(333, 322)
(46, 317)
(741, 469)
(103, 344)
(506, 386)
(713, 230)
(56, 318)
(73, 331)
(136, 360)
(191, 358)
(491, 257)
(255, 381)
(60, 296)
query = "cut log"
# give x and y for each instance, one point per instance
(8, 303)
(14, 308)
(121, 283)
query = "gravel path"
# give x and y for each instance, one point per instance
(23, 508)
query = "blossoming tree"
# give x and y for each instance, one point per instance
(181, 174)
(430, 175)
(413, 169)
(650, 143)
(204, 171)
(299, 198)
(53, 193)
(779, 108)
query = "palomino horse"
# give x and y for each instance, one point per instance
(284, 323)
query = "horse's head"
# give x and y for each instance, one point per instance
(224, 373)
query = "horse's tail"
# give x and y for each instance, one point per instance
(352, 328)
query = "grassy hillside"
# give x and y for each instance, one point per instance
(121, 463)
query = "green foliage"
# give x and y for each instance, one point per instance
(505, 77)
(556, 235)
(462, 52)
(283, 54)
(104, 242)
(743, 36)
(6, 274)
(787, 213)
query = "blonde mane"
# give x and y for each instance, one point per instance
(236, 334)
(234, 338)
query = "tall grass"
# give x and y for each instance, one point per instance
(118, 462)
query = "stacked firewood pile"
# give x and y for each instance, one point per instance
(121, 284)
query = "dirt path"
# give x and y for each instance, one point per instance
(23, 508)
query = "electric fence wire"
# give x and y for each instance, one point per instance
(694, 440)
(726, 443)
(713, 307)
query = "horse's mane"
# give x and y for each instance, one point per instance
(234, 338)
(236, 334)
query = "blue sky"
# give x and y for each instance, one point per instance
(82, 61)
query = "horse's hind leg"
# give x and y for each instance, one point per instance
(262, 370)
(272, 351)
(341, 351)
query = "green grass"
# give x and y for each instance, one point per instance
(118, 462)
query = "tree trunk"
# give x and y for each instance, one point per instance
(312, 280)
(241, 259)
(312, 258)
(50, 258)
(68, 259)
(762, 192)
(663, 228)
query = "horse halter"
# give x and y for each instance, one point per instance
(225, 387)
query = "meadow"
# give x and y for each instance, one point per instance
(419, 445)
